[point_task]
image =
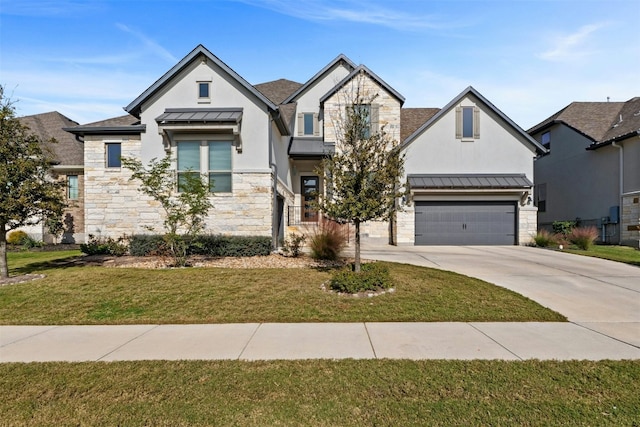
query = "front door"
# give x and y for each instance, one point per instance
(310, 185)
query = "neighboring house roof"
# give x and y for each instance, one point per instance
(471, 91)
(68, 150)
(135, 106)
(340, 59)
(278, 90)
(591, 119)
(627, 124)
(469, 181)
(122, 125)
(362, 69)
(412, 118)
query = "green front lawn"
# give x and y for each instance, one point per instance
(321, 393)
(99, 295)
(624, 254)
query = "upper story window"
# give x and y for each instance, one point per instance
(113, 153)
(308, 124)
(72, 187)
(188, 160)
(366, 117)
(204, 91)
(540, 197)
(467, 123)
(220, 166)
(546, 140)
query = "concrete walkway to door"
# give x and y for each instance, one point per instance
(598, 294)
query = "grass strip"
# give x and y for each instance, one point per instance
(321, 393)
(99, 295)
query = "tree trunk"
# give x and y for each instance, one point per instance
(4, 267)
(357, 262)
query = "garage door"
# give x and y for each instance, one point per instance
(465, 223)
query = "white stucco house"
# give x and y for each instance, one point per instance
(469, 167)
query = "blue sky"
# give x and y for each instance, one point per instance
(87, 59)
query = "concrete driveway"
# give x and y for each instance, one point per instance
(597, 294)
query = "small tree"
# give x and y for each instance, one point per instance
(28, 192)
(362, 178)
(184, 211)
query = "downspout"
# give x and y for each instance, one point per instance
(274, 202)
(620, 186)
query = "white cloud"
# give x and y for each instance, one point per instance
(366, 12)
(572, 46)
(152, 45)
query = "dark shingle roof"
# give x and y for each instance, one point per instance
(592, 119)
(626, 122)
(68, 151)
(412, 118)
(122, 125)
(468, 181)
(278, 90)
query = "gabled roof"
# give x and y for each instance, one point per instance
(278, 90)
(363, 69)
(591, 119)
(135, 106)
(340, 59)
(68, 151)
(122, 125)
(471, 91)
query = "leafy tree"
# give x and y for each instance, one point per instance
(362, 178)
(28, 192)
(185, 211)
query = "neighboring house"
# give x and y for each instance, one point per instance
(260, 147)
(592, 171)
(68, 166)
(469, 172)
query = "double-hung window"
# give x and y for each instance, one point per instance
(220, 166)
(188, 160)
(72, 187)
(113, 153)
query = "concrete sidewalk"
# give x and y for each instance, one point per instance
(268, 341)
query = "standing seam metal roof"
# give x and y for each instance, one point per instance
(466, 181)
(201, 115)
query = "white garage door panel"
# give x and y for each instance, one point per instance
(465, 223)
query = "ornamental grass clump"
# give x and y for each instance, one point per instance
(544, 239)
(583, 237)
(328, 241)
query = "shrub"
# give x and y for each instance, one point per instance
(328, 241)
(293, 244)
(372, 277)
(17, 237)
(544, 239)
(146, 244)
(583, 237)
(29, 243)
(206, 244)
(104, 246)
(563, 227)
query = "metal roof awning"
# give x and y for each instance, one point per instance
(469, 182)
(210, 120)
(310, 148)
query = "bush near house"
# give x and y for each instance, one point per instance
(207, 244)
(98, 245)
(545, 239)
(583, 237)
(563, 227)
(17, 237)
(372, 277)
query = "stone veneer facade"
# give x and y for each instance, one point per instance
(114, 207)
(630, 220)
